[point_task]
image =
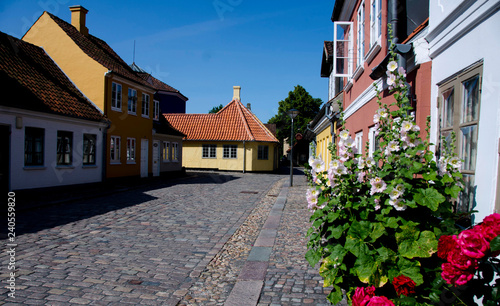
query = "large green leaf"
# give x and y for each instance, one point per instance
(495, 244)
(412, 243)
(369, 270)
(359, 230)
(377, 230)
(356, 246)
(411, 269)
(429, 197)
(335, 295)
(313, 256)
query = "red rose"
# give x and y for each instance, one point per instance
(404, 285)
(454, 276)
(362, 296)
(445, 245)
(473, 243)
(380, 301)
(490, 227)
(461, 261)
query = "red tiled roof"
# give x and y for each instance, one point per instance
(29, 79)
(232, 123)
(100, 51)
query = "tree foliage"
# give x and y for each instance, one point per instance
(216, 109)
(301, 100)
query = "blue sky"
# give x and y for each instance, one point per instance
(204, 47)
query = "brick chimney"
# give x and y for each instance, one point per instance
(236, 93)
(78, 14)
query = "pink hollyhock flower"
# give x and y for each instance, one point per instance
(380, 301)
(362, 295)
(377, 204)
(473, 243)
(455, 276)
(378, 185)
(361, 176)
(404, 285)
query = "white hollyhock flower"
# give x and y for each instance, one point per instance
(392, 66)
(344, 135)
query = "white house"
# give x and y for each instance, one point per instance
(465, 93)
(51, 134)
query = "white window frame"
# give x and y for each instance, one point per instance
(165, 152)
(132, 101)
(114, 156)
(131, 149)
(229, 151)
(145, 105)
(175, 151)
(375, 22)
(211, 148)
(372, 139)
(156, 110)
(358, 140)
(348, 55)
(116, 96)
(360, 43)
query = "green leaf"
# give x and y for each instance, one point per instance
(429, 197)
(453, 191)
(392, 222)
(430, 176)
(359, 230)
(412, 243)
(313, 256)
(417, 166)
(411, 269)
(335, 295)
(377, 230)
(495, 244)
(447, 178)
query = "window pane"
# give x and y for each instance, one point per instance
(445, 144)
(448, 98)
(466, 197)
(468, 150)
(470, 105)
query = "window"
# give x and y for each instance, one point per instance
(459, 113)
(89, 148)
(375, 21)
(131, 150)
(229, 151)
(64, 148)
(175, 152)
(114, 149)
(116, 97)
(374, 141)
(132, 101)
(342, 49)
(209, 151)
(156, 110)
(33, 146)
(359, 142)
(145, 105)
(166, 151)
(360, 43)
(263, 152)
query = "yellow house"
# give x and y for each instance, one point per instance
(233, 139)
(124, 97)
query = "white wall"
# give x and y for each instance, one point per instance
(459, 36)
(50, 174)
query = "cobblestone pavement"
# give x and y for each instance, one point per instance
(146, 246)
(290, 280)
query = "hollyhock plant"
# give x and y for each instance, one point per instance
(381, 215)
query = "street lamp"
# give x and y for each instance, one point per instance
(292, 113)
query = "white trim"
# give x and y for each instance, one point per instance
(133, 146)
(365, 97)
(114, 108)
(348, 86)
(357, 73)
(371, 140)
(132, 112)
(142, 105)
(358, 140)
(360, 35)
(374, 50)
(457, 24)
(117, 159)
(348, 56)
(323, 124)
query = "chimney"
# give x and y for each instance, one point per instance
(78, 13)
(249, 107)
(236, 93)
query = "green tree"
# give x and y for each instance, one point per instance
(301, 100)
(216, 109)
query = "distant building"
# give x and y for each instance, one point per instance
(232, 139)
(50, 133)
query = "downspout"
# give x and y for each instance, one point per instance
(104, 166)
(244, 156)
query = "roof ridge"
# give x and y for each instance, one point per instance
(247, 127)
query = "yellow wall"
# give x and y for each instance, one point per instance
(86, 74)
(90, 77)
(192, 156)
(323, 139)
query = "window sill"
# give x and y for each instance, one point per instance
(209, 157)
(131, 162)
(130, 113)
(357, 73)
(115, 163)
(374, 50)
(116, 109)
(34, 167)
(89, 166)
(166, 161)
(65, 167)
(144, 116)
(348, 86)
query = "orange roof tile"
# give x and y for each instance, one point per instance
(234, 122)
(31, 80)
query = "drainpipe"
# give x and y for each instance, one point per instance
(244, 156)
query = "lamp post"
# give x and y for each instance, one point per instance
(292, 113)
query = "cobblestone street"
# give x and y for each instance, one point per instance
(184, 242)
